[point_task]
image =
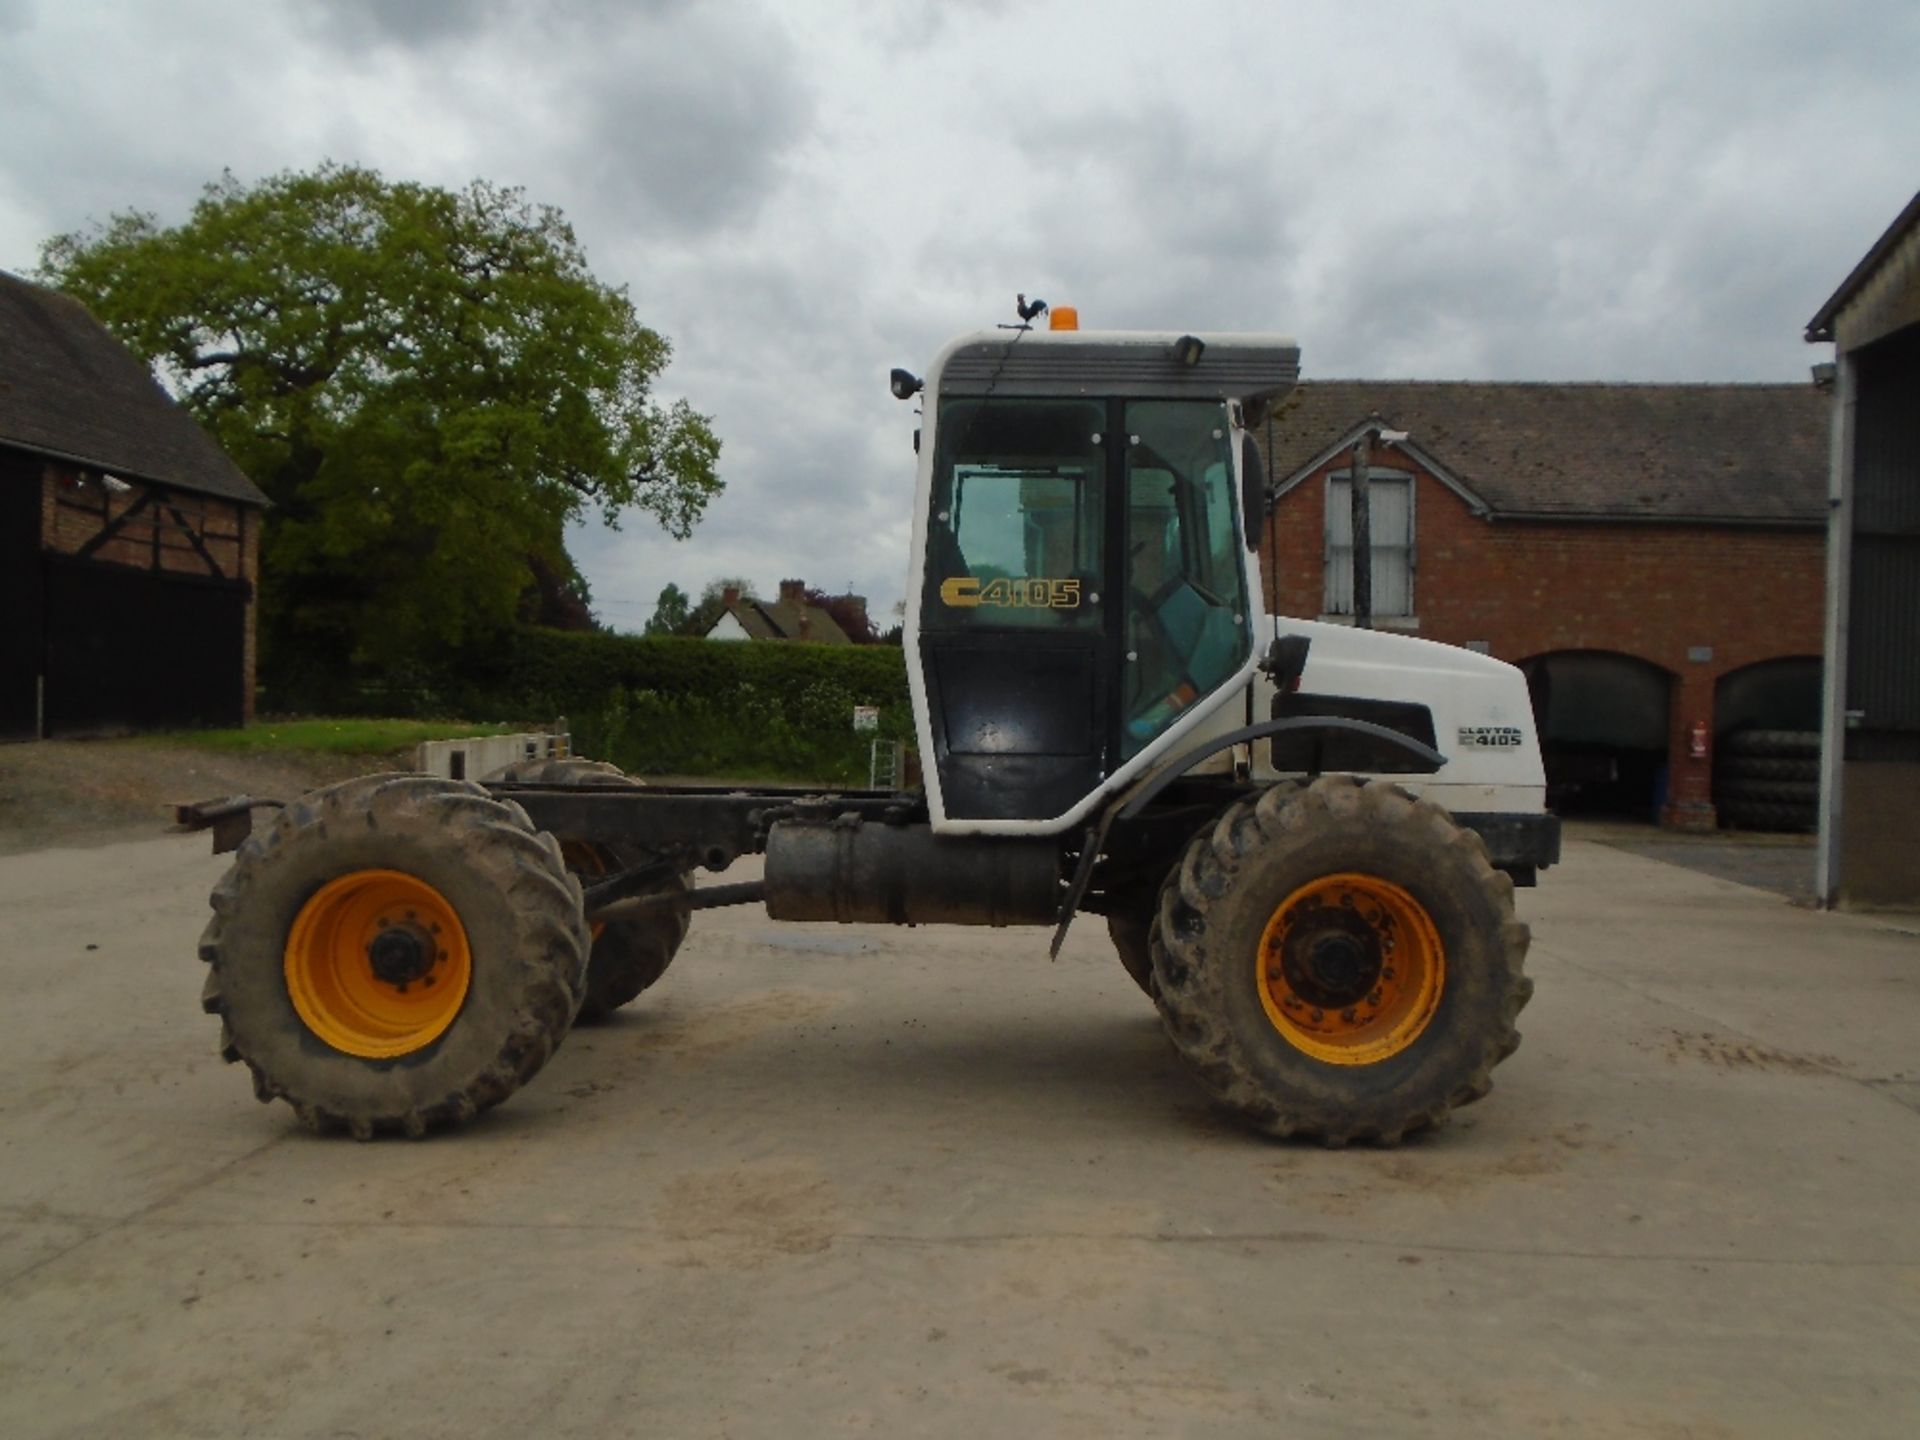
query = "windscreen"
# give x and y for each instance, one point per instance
(1016, 537)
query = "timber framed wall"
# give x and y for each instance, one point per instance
(129, 606)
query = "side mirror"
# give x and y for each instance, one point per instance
(1253, 492)
(1286, 661)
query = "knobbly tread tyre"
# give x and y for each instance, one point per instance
(1767, 767)
(1770, 792)
(506, 881)
(628, 956)
(1791, 744)
(1206, 935)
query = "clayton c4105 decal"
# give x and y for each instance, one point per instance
(967, 591)
(1492, 737)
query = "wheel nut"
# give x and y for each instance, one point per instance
(1388, 972)
(1318, 1015)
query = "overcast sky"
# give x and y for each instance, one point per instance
(803, 195)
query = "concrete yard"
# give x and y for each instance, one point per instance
(831, 1181)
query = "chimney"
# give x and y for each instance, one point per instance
(793, 592)
(730, 597)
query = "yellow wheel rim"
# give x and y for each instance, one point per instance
(1350, 969)
(377, 964)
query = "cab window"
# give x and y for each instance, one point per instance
(1186, 615)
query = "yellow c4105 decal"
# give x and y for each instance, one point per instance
(967, 591)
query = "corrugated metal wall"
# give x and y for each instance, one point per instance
(1883, 664)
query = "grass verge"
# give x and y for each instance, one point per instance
(328, 736)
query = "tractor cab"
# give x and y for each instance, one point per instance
(1086, 506)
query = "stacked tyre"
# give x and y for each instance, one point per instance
(1768, 780)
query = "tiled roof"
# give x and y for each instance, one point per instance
(1754, 454)
(780, 620)
(786, 618)
(70, 390)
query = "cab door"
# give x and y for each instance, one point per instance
(1017, 634)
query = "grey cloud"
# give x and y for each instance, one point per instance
(918, 25)
(362, 24)
(687, 131)
(666, 119)
(356, 25)
(1144, 218)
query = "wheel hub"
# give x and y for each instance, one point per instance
(1332, 958)
(401, 954)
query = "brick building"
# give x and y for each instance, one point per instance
(129, 542)
(1651, 556)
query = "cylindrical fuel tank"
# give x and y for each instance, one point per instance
(869, 873)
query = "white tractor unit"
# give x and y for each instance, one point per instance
(1303, 837)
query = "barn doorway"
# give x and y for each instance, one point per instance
(1604, 721)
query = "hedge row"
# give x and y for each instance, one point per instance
(540, 672)
(652, 705)
(669, 705)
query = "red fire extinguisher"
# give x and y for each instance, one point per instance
(1697, 740)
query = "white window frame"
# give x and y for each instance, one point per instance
(1376, 474)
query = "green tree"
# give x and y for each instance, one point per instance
(717, 588)
(670, 612)
(428, 384)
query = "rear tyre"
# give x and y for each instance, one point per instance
(1132, 932)
(1340, 962)
(628, 955)
(394, 953)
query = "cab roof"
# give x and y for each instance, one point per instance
(1130, 364)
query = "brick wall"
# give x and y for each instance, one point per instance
(1528, 588)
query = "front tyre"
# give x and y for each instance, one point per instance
(394, 953)
(1340, 962)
